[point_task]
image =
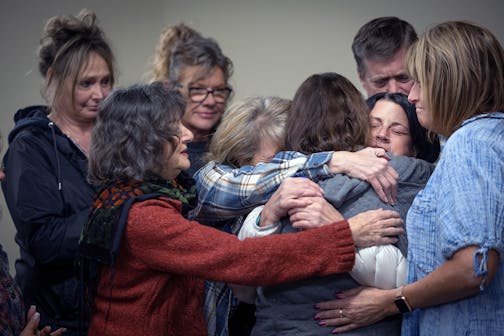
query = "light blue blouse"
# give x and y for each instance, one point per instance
(461, 205)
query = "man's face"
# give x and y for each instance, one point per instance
(386, 75)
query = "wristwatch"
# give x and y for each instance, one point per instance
(401, 303)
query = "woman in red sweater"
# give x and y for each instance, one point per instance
(143, 261)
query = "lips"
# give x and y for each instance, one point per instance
(207, 115)
(379, 144)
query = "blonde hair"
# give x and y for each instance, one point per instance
(180, 46)
(244, 125)
(460, 68)
(170, 36)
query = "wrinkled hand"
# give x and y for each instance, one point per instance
(356, 308)
(31, 328)
(376, 227)
(292, 193)
(317, 213)
(371, 165)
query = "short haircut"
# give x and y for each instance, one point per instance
(244, 124)
(380, 39)
(133, 127)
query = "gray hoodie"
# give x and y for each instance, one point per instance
(287, 309)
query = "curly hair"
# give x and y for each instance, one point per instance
(180, 46)
(133, 127)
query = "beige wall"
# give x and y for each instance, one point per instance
(274, 44)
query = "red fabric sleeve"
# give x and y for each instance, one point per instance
(163, 239)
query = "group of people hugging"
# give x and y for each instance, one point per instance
(169, 208)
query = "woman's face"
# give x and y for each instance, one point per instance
(177, 158)
(390, 128)
(93, 85)
(201, 117)
(416, 97)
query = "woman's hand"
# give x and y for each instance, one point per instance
(31, 328)
(292, 193)
(356, 308)
(317, 213)
(376, 227)
(371, 165)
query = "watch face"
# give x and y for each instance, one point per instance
(402, 305)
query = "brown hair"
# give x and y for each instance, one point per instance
(460, 68)
(65, 46)
(328, 114)
(180, 46)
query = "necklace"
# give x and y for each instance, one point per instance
(81, 142)
(77, 144)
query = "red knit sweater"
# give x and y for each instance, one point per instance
(158, 277)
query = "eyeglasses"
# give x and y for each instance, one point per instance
(199, 94)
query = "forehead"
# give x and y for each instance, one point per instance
(389, 112)
(386, 68)
(197, 74)
(94, 64)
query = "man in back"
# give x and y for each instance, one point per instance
(379, 48)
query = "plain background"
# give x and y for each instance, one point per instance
(274, 44)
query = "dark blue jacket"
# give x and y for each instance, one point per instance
(49, 200)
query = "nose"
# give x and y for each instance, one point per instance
(383, 134)
(413, 95)
(209, 100)
(187, 135)
(393, 86)
(99, 92)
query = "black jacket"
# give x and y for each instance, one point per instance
(49, 200)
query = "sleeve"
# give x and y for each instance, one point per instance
(158, 235)
(46, 227)
(250, 229)
(228, 192)
(381, 266)
(470, 201)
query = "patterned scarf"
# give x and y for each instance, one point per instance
(101, 237)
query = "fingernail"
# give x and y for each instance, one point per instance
(317, 306)
(316, 317)
(334, 332)
(36, 316)
(322, 323)
(338, 294)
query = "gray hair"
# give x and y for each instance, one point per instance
(244, 124)
(133, 127)
(180, 46)
(380, 39)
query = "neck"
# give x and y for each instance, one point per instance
(199, 135)
(78, 131)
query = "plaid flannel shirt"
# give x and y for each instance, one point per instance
(225, 192)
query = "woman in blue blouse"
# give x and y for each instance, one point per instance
(455, 226)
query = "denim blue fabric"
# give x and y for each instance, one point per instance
(462, 205)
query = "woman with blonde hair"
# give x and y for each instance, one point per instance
(455, 225)
(196, 66)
